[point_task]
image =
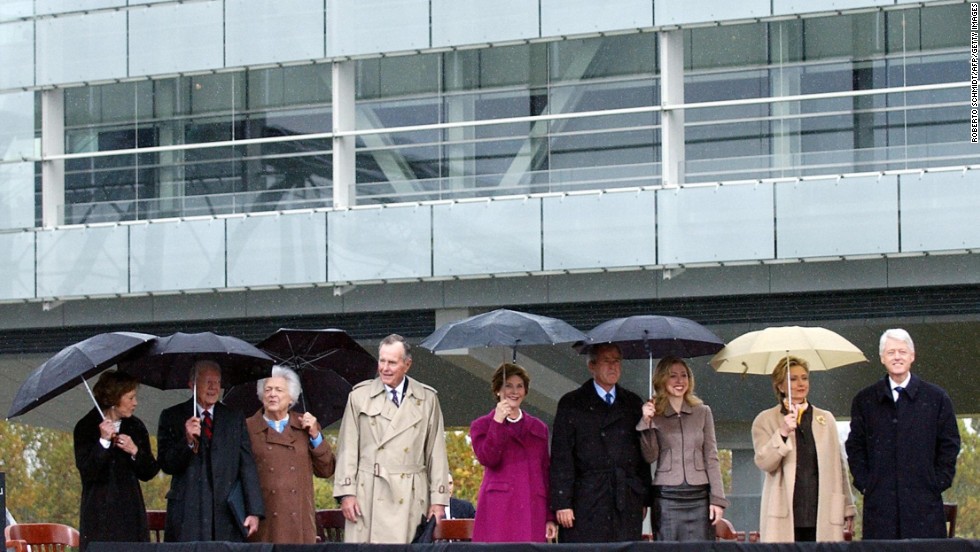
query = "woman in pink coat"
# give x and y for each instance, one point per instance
(512, 445)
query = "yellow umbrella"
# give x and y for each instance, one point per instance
(758, 352)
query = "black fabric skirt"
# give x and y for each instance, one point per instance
(681, 513)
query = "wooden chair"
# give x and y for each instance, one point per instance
(44, 537)
(950, 508)
(330, 526)
(156, 522)
(725, 531)
(16, 545)
(453, 530)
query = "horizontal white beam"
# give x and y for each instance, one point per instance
(511, 120)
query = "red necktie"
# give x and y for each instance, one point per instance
(208, 427)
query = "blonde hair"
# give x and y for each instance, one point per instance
(781, 373)
(660, 376)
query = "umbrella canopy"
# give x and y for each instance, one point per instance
(324, 395)
(329, 362)
(758, 352)
(503, 328)
(654, 336)
(74, 364)
(168, 363)
(327, 349)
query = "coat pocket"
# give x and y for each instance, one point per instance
(498, 487)
(664, 462)
(837, 506)
(698, 458)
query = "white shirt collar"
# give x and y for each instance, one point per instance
(401, 392)
(904, 384)
(602, 392)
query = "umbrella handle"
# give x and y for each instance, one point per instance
(789, 392)
(97, 407)
(650, 370)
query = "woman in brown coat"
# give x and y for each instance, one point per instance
(288, 450)
(806, 495)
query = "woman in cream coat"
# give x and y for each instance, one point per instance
(806, 494)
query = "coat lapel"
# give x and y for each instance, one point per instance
(403, 417)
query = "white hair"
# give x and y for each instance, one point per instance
(293, 385)
(202, 366)
(897, 334)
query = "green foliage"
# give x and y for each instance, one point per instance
(965, 491)
(42, 482)
(467, 471)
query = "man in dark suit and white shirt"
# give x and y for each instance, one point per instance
(458, 507)
(902, 447)
(207, 450)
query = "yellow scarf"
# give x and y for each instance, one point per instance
(799, 412)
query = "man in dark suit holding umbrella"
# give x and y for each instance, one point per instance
(207, 450)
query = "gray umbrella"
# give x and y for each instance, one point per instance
(502, 328)
(654, 336)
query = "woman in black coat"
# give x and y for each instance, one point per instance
(112, 456)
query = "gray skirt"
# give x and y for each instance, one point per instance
(681, 513)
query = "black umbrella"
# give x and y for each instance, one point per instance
(328, 349)
(324, 395)
(654, 336)
(168, 363)
(73, 365)
(329, 362)
(502, 327)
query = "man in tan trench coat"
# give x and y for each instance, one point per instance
(391, 456)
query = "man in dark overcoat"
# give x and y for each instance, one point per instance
(207, 450)
(600, 483)
(902, 447)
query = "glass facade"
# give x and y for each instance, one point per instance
(485, 120)
(195, 113)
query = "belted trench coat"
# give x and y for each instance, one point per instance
(393, 459)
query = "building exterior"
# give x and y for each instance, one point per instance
(387, 165)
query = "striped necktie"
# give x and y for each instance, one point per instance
(208, 427)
